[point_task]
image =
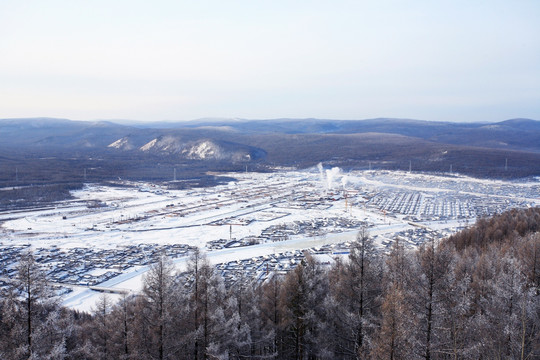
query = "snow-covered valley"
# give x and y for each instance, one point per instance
(107, 236)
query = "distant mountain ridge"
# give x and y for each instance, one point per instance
(474, 148)
(515, 134)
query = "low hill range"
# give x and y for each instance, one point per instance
(508, 148)
(515, 134)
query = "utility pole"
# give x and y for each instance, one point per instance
(16, 174)
(506, 164)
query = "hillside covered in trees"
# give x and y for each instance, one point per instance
(475, 295)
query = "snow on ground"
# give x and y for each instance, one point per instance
(85, 299)
(390, 203)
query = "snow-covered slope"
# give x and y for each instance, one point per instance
(163, 144)
(201, 149)
(122, 144)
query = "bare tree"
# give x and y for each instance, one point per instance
(271, 313)
(159, 296)
(205, 294)
(103, 331)
(122, 317)
(302, 309)
(364, 271)
(431, 279)
(36, 297)
(394, 339)
(353, 305)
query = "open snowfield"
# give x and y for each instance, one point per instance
(390, 203)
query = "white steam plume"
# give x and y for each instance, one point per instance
(330, 175)
(344, 181)
(321, 173)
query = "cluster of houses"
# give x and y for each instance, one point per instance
(459, 198)
(413, 237)
(262, 268)
(282, 232)
(310, 228)
(9, 255)
(422, 206)
(87, 266)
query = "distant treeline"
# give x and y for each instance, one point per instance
(38, 180)
(27, 170)
(473, 296)
(391, 152)
(35, 195)
(50, 165)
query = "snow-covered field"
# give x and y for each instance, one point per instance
(390, 203)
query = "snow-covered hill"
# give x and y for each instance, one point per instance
(200, 149)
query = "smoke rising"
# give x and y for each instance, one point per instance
(331, 177)
(331, 174)
(344, 181)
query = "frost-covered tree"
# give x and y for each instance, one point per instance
(503, 310)
(353, 305)
(122, 327)
(206, 298)
(529, 256)
(455, 308)
(9, 323)
(303, 310)
(394, 338)
(430, 280)
(103, 330)
(271, 313)
(36, 310)
(158, 307)
(252, 338)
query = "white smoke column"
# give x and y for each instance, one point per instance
(330, 175)
(344, 181)
(321, 173)
(320, 167)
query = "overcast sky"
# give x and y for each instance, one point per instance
(179, 60)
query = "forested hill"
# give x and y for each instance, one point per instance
(41, 150)
(505, 228)
(475, 295)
